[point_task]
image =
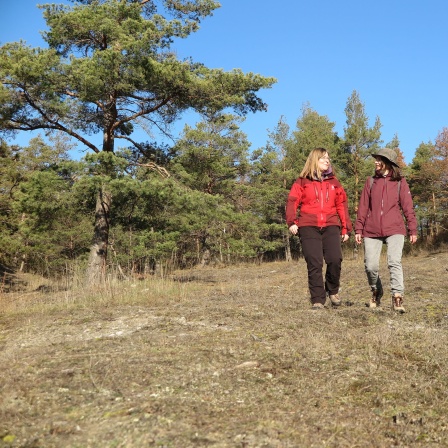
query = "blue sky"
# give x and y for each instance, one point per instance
(393, 52)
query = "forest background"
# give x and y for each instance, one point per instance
(133, 207)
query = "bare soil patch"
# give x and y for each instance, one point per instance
(227, 357)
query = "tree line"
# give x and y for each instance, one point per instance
(135, 206)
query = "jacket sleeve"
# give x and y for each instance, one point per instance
(363, 208)
(408, 207)
(293, 202)
(342, 210)
(348, 221)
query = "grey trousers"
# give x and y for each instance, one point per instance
(372, 250)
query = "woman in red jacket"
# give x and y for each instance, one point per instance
(384, 198)
(322, 222)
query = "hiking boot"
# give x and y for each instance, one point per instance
(317, 306)
(376, 298)
(335, 300)
(397, 303)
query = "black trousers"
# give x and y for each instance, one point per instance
(319, 244)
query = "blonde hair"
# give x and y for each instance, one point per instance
(311, 169)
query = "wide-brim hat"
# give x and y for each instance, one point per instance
(389, 154)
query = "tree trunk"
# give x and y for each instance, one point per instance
(434, 205)
(96, 269)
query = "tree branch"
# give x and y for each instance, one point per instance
(151, 165)
(54, 124)
(141, 113)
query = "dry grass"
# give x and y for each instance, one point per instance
(229, 357)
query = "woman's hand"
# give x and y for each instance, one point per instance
(344, 238)
(294, 229)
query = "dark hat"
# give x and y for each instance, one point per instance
(388, 154)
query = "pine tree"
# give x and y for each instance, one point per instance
(423, 183)
(272, 175)
(44, 225)
(213, 156)
(360, 141)
(312, 131)
(109, 69)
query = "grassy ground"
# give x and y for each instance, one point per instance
(227, 357)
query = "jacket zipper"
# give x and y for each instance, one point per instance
(382, 203)
(322, 203)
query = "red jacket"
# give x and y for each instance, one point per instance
(322, 203)
(381, 206)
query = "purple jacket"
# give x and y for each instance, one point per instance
(380, 209)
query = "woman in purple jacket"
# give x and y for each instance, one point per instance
(384, 200)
